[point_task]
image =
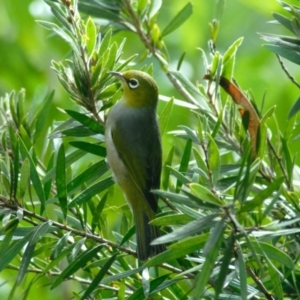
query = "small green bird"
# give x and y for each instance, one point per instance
(134, 153)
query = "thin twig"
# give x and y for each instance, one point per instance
(5, 203)
(285, 70)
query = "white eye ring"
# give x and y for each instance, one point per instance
(133, 83)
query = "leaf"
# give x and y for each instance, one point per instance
(179, 19)
(207, 268)
(229, 59)
(42, 115)
(155, 6)
(213, 159)
(35, 179)
(216, 232)
(24, 178)
(187, 230)
(180, 249)
(90, 174)
(70, 159)
(178, 219)
(286, 22)
(76, 264)
(154, 284)
(89, 147)
(93, 190)
(60, 245)
(242, 274)
(86, 121)
(91, 35)
(66, 37)
(225, 265)
(273, 253)
(13, 250)
(287, 53)
(166, 171)
(204, 194)
(8, 232)
(295, 108)
(184, 163)
(165, 116)
(61, 184)
(96, 281)
(37, 234)
(249, 206)
(121, 275)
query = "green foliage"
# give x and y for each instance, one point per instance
(230, 218)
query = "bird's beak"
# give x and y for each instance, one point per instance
(117, 74)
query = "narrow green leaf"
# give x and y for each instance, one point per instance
(184, 161)
(276, 282)
(77, 249)
(26, 257)
(24, 178)
(179, 19)
(191, 134)
(207, 268)
(286, 22)
(91, 35)
(214, 161)
(242, 275)
(13, 250)
(165, 115)
(214, 236)
(94, 284)
(178, 219)
(60, 32)
(289, 54)
(42, 116)
(177, 250)
(92, 191)
(166, 171)
(8, 232)
(295, 109)
(35, 179)
(86, 121)
(76, 264)
(273, 253)
(90, 174)
(155, 283)
(38, 233)
(89, 147)
(121, 275)
(229, 58)
(61, 184)
(187, 230)
(289, 166)
(228, 254)
(248, 206)
(179, 176)
(155, 6)
(70, 159)
(62, 242)
(105, 43)
(205, 194)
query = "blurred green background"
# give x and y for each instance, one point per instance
(26, 51)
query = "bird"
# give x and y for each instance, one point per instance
(134, 153)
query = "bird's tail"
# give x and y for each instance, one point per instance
(145, 234)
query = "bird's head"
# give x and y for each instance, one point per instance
(139, 88)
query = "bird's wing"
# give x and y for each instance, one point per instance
(141, 156)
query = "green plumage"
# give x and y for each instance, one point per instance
(134, 153)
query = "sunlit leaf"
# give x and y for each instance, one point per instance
(179, 19)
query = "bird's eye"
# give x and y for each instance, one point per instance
(133, 83)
